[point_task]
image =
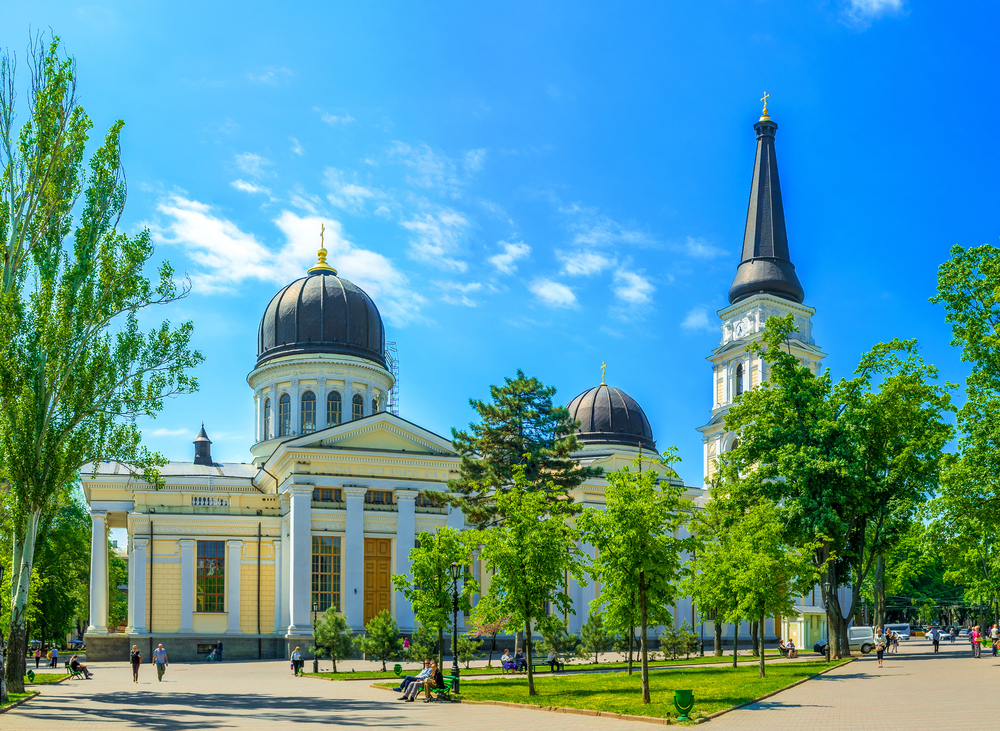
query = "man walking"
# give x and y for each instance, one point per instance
(160, 658)
(935, 637)
(218, 652)
(55, 656)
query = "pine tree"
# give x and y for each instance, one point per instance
(382, 639)
(333, 637)
(519, 428)
(594, 637)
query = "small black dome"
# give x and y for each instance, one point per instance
(321, 313)
(608, 415)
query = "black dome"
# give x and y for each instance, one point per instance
(608, 415)
(321, 313)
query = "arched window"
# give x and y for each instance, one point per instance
(739, 378)
(734, 445)
(284, 415)
(267, 419)
(374, 405)
(308, 412)
(333, 413)
(357, 406)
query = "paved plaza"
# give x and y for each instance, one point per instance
(916, 690)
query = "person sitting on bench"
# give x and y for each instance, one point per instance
(507, 661)
(433, 682)
(553, 661)
(78, 667)
(792, 652)
(420, 677)
(410, 693)
(519, 662)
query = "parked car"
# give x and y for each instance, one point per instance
(903, 630)
(963, 634)
(859, 639)
(76, 645)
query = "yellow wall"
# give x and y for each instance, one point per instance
(211, 622)
(166, 588)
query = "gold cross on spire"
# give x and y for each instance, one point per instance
(764, 116)
(321, 265)
(603, 366)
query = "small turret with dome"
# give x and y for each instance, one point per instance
(608, 415)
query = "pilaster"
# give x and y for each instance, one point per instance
(296, 426)
(354, 556)
(234, 596)
(300, 560)
(321, 392)
(405, 540)
(137, 590)
(188, 581)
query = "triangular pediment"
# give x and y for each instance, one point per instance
(382, 432)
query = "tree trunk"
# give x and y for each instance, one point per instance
(836, 623)
(753, 638)
(880, 591)
(760, 635)
(518, 640)
(631, 633)
(736, 640)
(527, 655)
(717, 633)
(18, 641)
(643, 618)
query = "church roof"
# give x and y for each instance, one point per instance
(608, 415)
(766, 266)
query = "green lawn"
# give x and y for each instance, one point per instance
(539, 669)
(715, 689)
(45, 678)
(14, 698)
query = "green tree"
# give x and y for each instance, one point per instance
(529, 555)
(468, 648)
(429, 587)
(520, 432)
(594, 637)
(555, 637)
(841, 458)
(333, 637)
(486, 628)
(708, 579)
(639, 557)
(423, 645)
(381, 639)
(677, 641)
(76, 371)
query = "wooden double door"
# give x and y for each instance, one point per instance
(378, 569)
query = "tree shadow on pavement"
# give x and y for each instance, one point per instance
(166, 711)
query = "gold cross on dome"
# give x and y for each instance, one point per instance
(322, 230)
(603, 366)
(764, 99)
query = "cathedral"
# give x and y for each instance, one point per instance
(337, 490)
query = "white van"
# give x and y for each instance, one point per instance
(861, 638)
(903, 630)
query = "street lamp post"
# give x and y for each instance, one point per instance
(826, 585)
(315, 641)
(456, 573)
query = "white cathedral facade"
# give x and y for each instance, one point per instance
(336, 492)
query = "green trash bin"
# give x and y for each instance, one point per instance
(397, 668)
(683, 702)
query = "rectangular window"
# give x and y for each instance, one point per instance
(326, 495)
(211, 576)
(326, 572)
(378, 497)
(422, 501)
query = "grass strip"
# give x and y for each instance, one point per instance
(16, 699)
(715, 689)
(45, 678)
(539, 670)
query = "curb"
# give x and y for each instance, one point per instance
(705, 719)
(626, 717)
(15, 704)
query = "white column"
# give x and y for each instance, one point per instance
(347, 405)
(131, 594)
(256, 417)
(272, 428)
(188, 581)
(300, 560)
(286, 566)
(137, 585)
(368, 399)
(405, 535)
(456, 520)
(234, 597)
(98, 574)
(353, 559)
(321, 404)
(296, 426)
(277, 586)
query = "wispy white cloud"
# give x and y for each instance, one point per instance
(346, 194)
(252, 188)
(429, 170)
(632, 288)
(584, 263)
(224, 256)
(333, 119)
(594, 229)
(252, 164)
(437, 237)
(510, 252)
(699, 248)
(474, 159)
(553, 294)
(862, 12)
(162, 432)
(296, 147)
(697, 319)
(273, 75)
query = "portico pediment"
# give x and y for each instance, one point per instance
(382, 432)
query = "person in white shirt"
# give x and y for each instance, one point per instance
(297, 661)
(419, 677)
(553, 661)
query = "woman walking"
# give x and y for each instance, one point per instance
(977, 642)
(136, 660)
(297, 661)
(38, 655)
(879, 645)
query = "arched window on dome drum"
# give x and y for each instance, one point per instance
(333, 412)
(739, 379)
(308, 412)
(284, 415)
(357, 406)
(267, 419)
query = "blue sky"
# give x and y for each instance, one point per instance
(540, 185)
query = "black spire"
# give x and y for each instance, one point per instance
(766, 266)
(203, 448)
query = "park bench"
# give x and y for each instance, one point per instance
(74, 674)
(444, 694)
(783, 651)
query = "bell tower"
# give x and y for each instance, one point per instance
(765, 286)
